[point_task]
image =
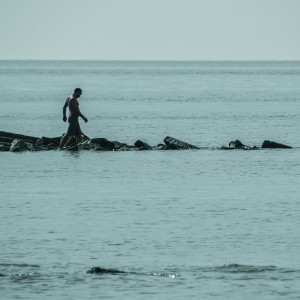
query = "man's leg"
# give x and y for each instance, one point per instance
(64, 140)
(70, 133)
(78, 139)
(78, 133)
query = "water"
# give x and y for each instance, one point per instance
(203, 223)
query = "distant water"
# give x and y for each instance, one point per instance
(189, 224)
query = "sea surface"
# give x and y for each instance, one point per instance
(184, 224)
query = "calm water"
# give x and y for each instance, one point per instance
(190, 224)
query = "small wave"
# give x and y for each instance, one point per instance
(164, 275)
(20, 265)
(24, 276)
(19, 270)
(237, 268)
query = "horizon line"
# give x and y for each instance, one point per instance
(152, 60)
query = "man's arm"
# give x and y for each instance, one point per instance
(65, 110)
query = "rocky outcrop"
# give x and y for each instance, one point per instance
(18, 143)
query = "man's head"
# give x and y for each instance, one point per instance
(77, 92)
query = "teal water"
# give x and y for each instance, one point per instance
(180, 224)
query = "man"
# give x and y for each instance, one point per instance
(74, 114)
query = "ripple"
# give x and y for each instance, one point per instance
(237, 268)
(164, 275)
(25, 276)
(19, 265)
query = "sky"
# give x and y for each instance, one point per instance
(150, 29)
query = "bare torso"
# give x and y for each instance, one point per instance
(73, 107)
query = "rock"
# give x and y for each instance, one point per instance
(22, 137)
(161, 147)
(237, 144)
(20, 146)
(140, 145)
(174, 144)
(5, 140)
(17, 142)
(106, 145)
(98, 270)
(103, 144)
(4, 146)
(46, 141)
(121, 146)
(273, 145)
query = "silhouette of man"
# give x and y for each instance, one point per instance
(74, 114)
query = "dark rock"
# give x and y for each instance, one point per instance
(118, 146)
(46, 141)
(88, 146)
(51, 146)
(20, 146)
(17, 142)
(237, 144)
(6, 140)
(140, 145)
(103, 144)
(84, 145)
(174, 144)
(4, 146)
(161, 147)
(106, 145)
(22, 137)
(273, 145)
(98, 270)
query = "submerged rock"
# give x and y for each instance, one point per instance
(99, 270)
(273, 145)
(102, 271)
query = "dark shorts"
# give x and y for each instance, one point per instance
(74, 128)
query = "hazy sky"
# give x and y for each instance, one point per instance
(150, 29)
